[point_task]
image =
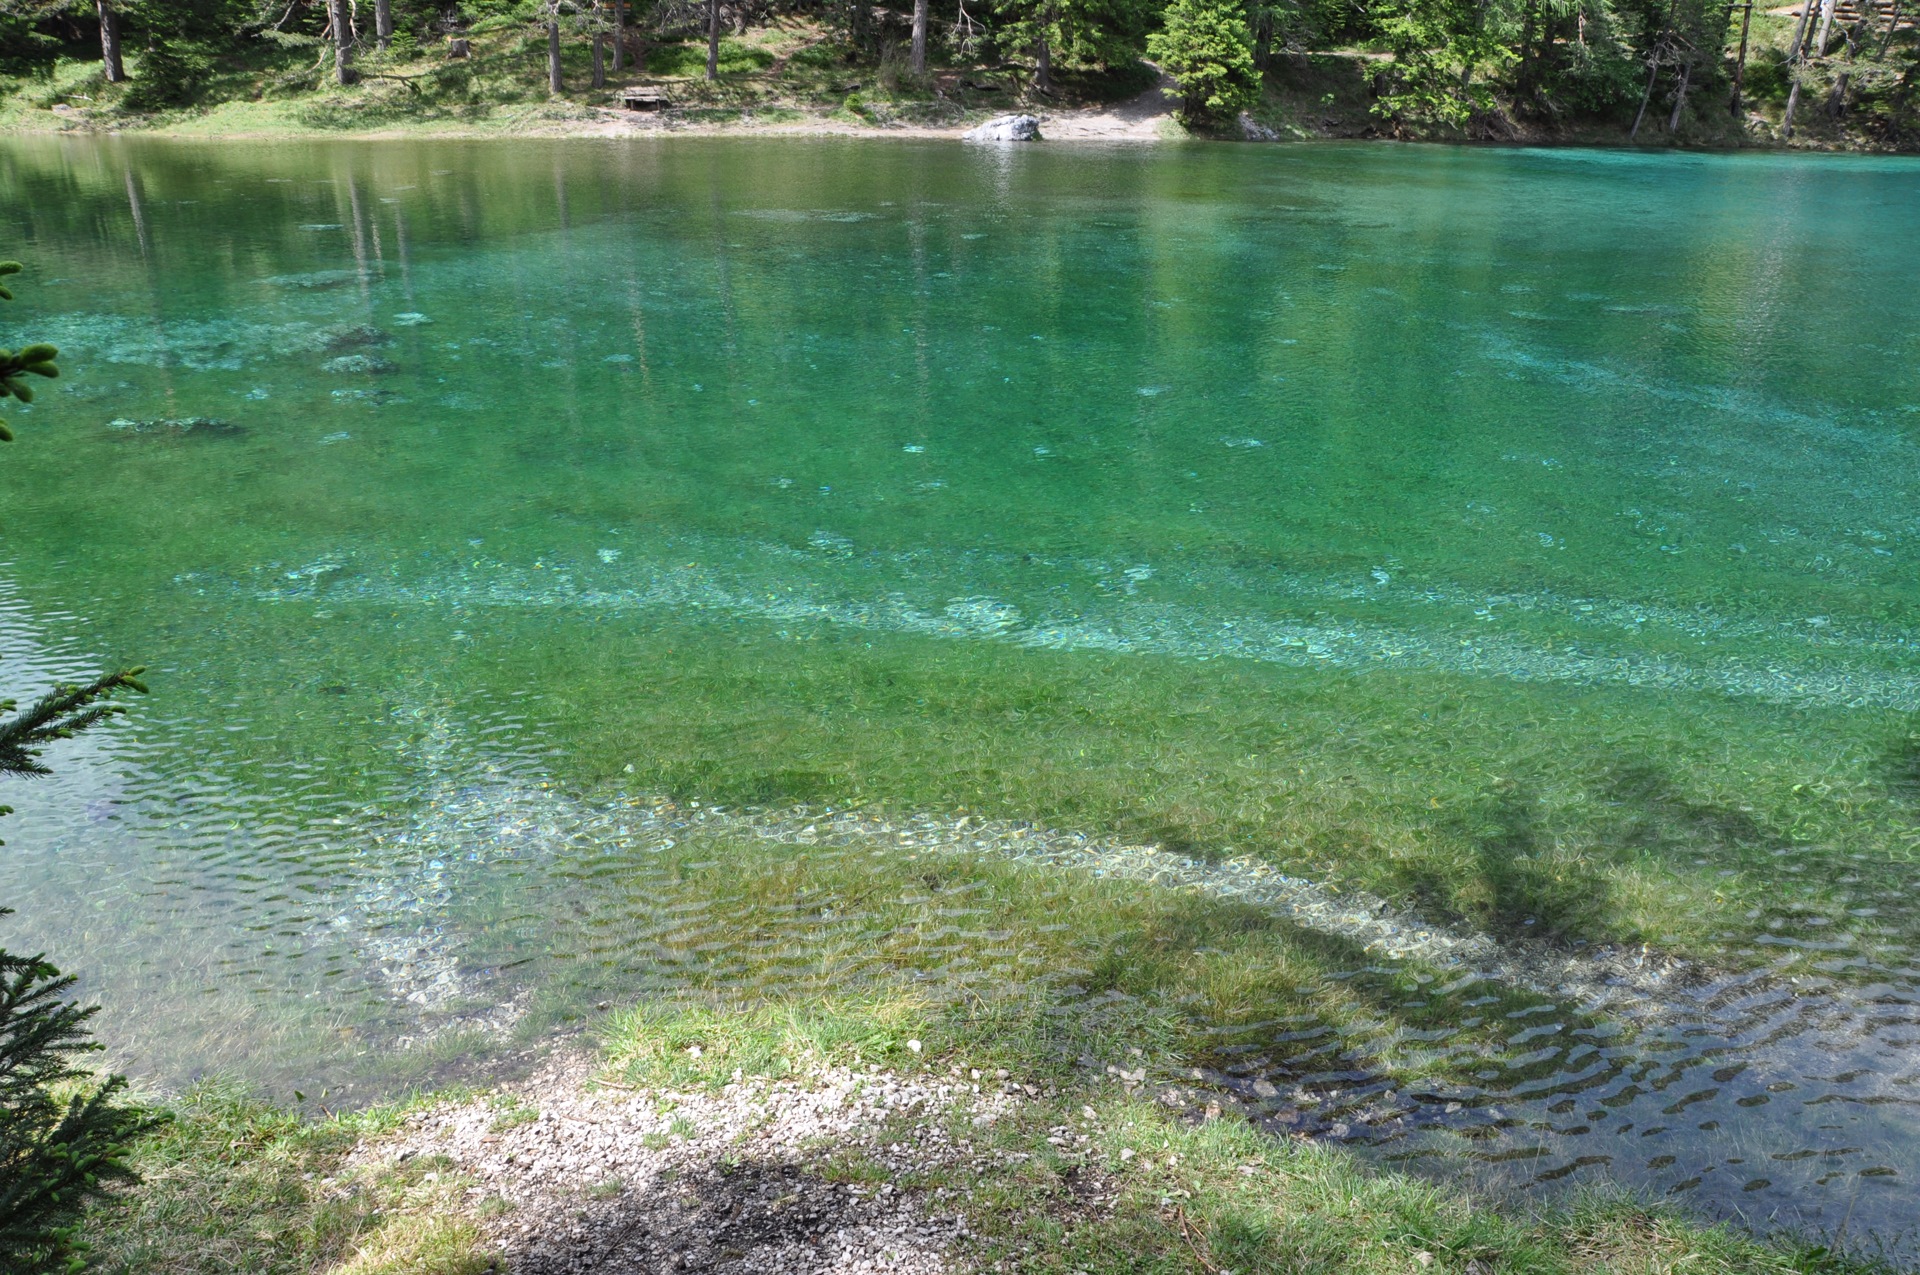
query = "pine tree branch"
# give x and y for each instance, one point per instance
(61, 713)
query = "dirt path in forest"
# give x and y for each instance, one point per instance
(1145, 118)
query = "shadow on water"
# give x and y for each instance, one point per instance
(1900, 767)
(1659, 816)
(1517, 883)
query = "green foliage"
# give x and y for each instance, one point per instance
(1207, 48)
(690, 59)
(1084, 33)
(1443, 53)
(25, 48)
(63, 1139)
(171, 73)
(15, 366)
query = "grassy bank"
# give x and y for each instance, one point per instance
(1075, 1172)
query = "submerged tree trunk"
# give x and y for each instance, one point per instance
(383, 23)
(713, 39)
(599, 60)
(919, 37)
(110, 42)
(554, 83)
(342, 17)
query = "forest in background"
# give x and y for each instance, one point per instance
(1703, 72)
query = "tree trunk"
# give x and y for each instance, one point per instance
(1644, 99)
(919, 37)
(713, 39)
(1740, 66)
(383, 23)
(1799, 57)
(1680, 97)
(1043, 69)
(342, 17)
(1826, 28)
(1653, 70)
(1888, 37)
(599, 60)
(555, 85)
(110, 42)
(619, 35)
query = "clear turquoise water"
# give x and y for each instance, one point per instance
(1449, 475)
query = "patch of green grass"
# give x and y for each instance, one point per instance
(236, 1185)
(690, 58)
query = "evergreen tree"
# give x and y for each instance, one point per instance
(1081, 32)
(1207, 47)
(63, 1134)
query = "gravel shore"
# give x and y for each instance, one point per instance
(569, 1173)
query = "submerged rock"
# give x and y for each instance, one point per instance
(358, 337)
(1006, 128)
(185, 427)
(357, 364)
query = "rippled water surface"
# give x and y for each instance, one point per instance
(539, 548)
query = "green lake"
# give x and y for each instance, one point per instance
(538, 549)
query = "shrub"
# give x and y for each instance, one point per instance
(1208, 50)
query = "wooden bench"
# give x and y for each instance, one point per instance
(645, 98)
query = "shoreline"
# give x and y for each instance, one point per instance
(1102, 125)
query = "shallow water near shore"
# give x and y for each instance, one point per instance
(586, 572)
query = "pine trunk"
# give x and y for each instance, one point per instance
(1740, 64)
(383, 23)
(342, 16)
(110, 43)
(1043, 69)
(554, 84)
(1680, 97)
(619, 36)
(919, 37)
(713, 39)
(599, 60)
(1644, 99)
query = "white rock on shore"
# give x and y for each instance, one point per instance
(1006, 128)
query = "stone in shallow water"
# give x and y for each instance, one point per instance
(185, 427)
(358, 337)
(357, 364)
(1006, 128)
